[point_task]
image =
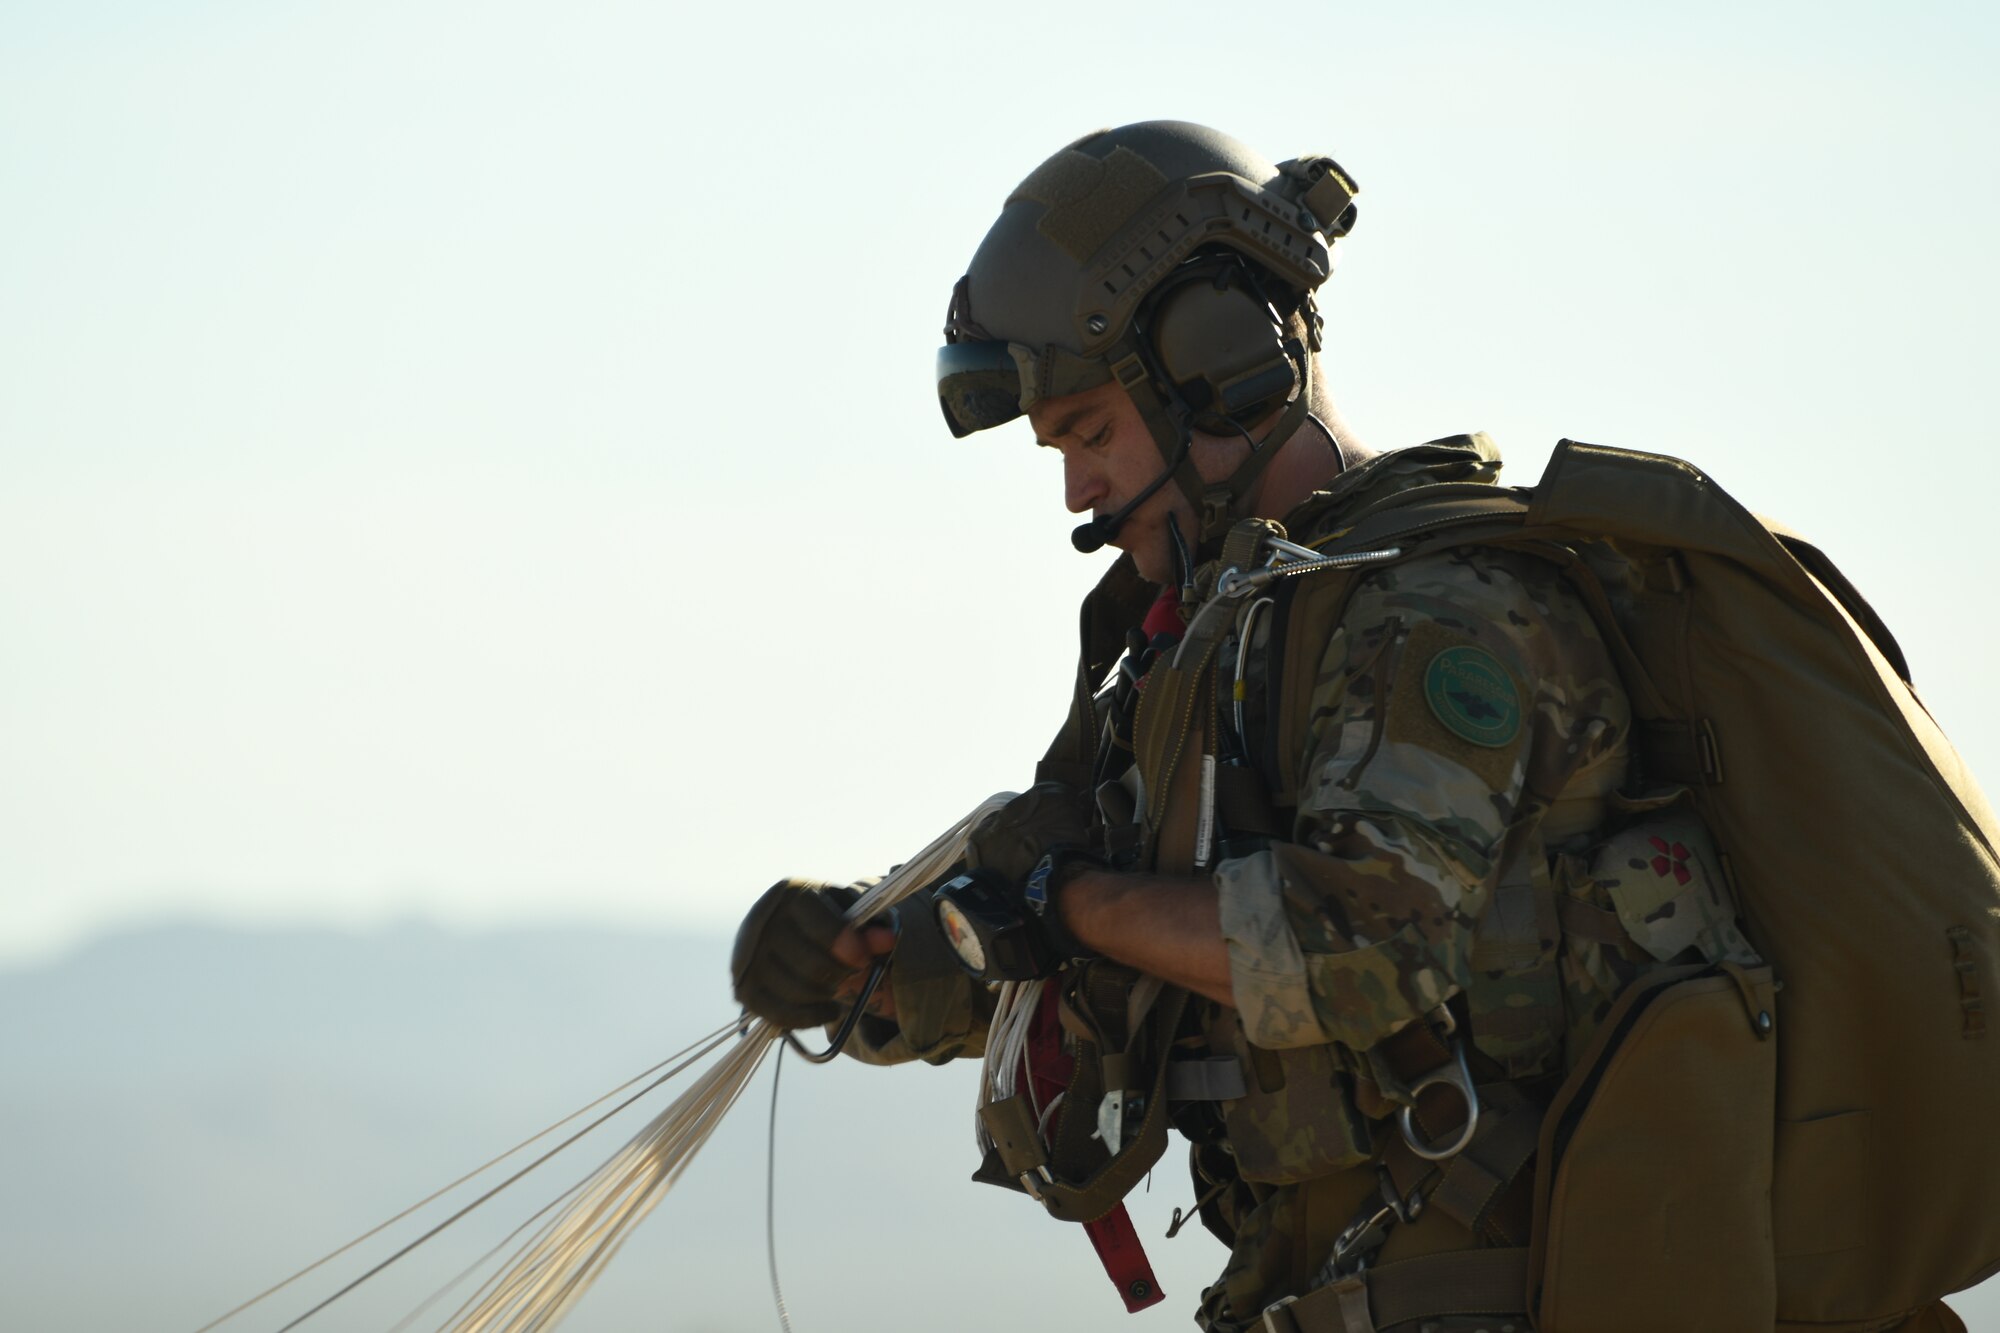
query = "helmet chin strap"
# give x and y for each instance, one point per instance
(1222, 504)
(1216, 505)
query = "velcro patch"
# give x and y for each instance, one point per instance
(1472, 694)
(1416, 719)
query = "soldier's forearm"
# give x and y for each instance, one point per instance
(1169, 927)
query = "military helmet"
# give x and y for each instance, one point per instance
(1165, 255)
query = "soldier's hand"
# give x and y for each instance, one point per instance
(1034, 844)
(1047, 817)
(795, 954)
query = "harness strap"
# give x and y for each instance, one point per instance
(1214, 1078)
(1243, 806)
(1473, 1182)
(1100, 1192)
(1430, 1286)
(1469, 1187)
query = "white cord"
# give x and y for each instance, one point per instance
(557, 1265)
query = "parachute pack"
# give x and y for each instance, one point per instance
(1816, 1142)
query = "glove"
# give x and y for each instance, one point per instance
(1034, 843)
(783, 966)
(1047, 817)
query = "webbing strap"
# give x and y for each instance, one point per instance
(1469, 1186)
(1509, 1126)
(1101, 1191)
(1430, 1286)
(1218, 503)
(1119, 1249)
(1215, 1078)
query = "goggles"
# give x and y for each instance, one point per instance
(984, 383)
(979, 385)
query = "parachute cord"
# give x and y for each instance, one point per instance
(714, 1040)
(411, 1318)
(771, 1195)
(322, 1261)
(723, 1035)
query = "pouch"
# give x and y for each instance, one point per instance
(1296, 1121)
(1653, 1176)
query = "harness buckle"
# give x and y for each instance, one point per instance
(1277, 1307)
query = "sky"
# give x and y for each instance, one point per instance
(479, 462)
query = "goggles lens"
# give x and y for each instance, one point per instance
(979, 385)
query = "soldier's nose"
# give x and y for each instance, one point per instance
(1083, 488)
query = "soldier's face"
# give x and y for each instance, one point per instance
(1109, 456)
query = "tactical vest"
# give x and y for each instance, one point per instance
(1716, 1155)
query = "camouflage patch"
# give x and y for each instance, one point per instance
(1473, 696)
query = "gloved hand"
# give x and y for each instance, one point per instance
(783, 964)
(1048, 816)
(1034, 843)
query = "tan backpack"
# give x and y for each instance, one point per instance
(1832, 1157)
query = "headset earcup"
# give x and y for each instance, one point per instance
(1218, 342)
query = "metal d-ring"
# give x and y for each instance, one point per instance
(1455, 1074)
(848, 1024)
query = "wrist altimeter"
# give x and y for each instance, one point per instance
(1002, 931)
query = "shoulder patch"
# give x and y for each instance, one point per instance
(1472, 694)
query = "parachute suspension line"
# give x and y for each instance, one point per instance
(707, 1041)
(558, 1264)
(403, 1324)
(771, 1196)
(553, 1269)
(1014, 1010)
(716, 1039)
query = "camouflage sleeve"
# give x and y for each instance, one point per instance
(941, 1011)
(1455, 689)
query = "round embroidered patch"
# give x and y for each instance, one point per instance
(1473, 696)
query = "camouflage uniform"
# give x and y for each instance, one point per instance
(1462, 697)
(1371, 915)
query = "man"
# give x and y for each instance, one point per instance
(1338, 821)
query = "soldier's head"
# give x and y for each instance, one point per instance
(1146, 298)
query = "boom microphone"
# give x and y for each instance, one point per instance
(1092, 536)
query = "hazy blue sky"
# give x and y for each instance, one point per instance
(480, 460)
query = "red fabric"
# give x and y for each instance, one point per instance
(1164, 617)
(1124, 1258)
(1116, 1240)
